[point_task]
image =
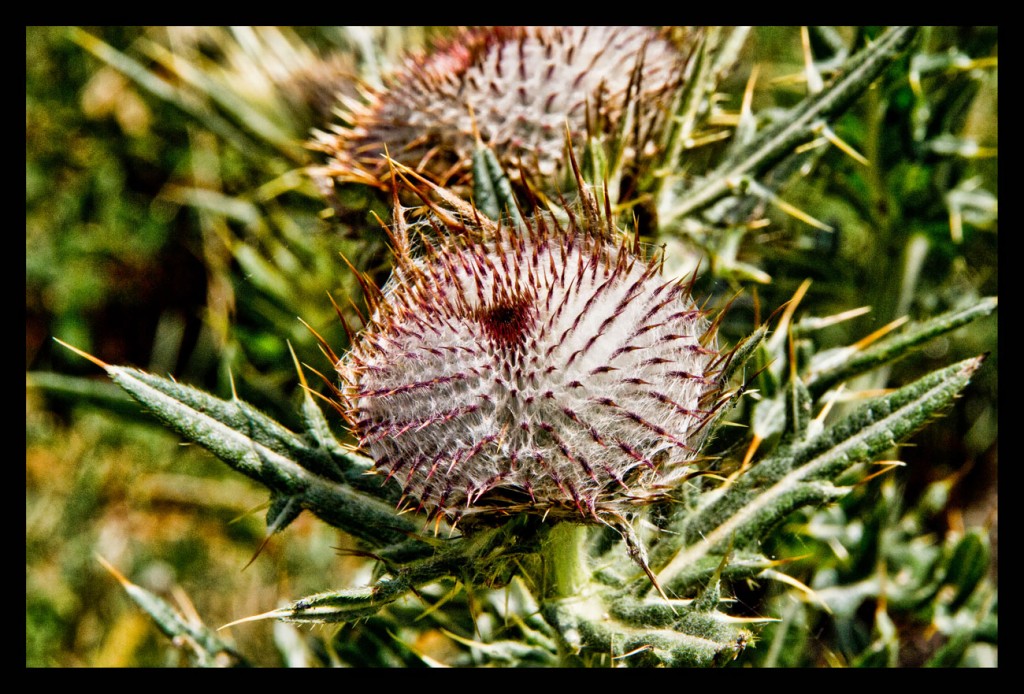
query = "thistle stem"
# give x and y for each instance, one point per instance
(565, 563)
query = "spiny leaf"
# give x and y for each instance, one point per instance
(327, 608)
(580, 631)
(746, 510)
(742, 352)
(101, 393)
(680, 615)
(741, 566)
(458, 557)
(491, 188)
(967, 567)
(850, 362)
(202, 644)
(692, 97)
(510, 652)
(260, 448)
(775, 142)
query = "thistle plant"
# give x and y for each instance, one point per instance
(548, 435)
(536, 368)
(517, 89)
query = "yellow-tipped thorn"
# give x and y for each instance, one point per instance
(842, 145)
(259, 550)
(814, 81)
(231, 380)
(956, 226)
(855, 396)
(802, 587)
(657, 587)
(789, 560)
(444, 599)
(749, 184)
(185, 606)
(820, 419)
(751, 450)
(472, 125)
(426, 659)
(110, 567)
(273, 614)
(95, 360)
(641, 649)
(787, 314)
(812, 144)
(298, 366)
(843, 316)
(980, 63)
(837, 548)
(331, 356)
(704, 139)
(244, 514)
(881, 332)
(748, 93)
(461, 639)
(748, 620)
(888, 466)
(796, 212)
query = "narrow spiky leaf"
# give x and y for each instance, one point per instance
(712, 642)
(492, 191)
(843, 364)
(746, 510)
(774, 143)
(203, 646)
(260, 448)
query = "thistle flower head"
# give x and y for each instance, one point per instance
(547, 368)
(516, 88)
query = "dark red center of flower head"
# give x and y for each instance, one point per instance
(506, 320)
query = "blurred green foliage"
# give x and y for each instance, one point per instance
(97, 241)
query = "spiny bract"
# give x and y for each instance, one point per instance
(547, 368)
(518, 88)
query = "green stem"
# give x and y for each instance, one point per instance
(565, 563)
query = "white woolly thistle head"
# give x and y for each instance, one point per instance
(547, 368)
(516, 89)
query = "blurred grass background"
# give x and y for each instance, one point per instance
(167, 228)
(149, 242)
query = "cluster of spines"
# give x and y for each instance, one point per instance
(511, 314)
(443, 91)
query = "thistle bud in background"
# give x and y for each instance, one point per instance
(546, 369)
(517, 88)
